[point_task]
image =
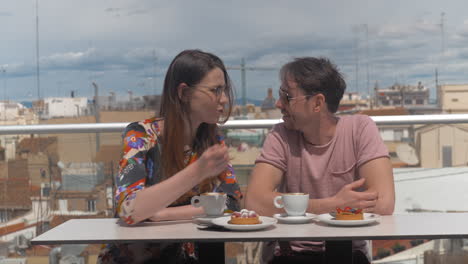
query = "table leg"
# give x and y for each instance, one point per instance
(339, 251)
(211, 252)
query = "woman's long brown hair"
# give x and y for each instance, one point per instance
(189, 67)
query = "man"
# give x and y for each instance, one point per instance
(340, 161)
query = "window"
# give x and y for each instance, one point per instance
(45, 226)
(398, 134)
(3, 216)
(419, 101)
(63, 205)
(91, 205)
(447, 156)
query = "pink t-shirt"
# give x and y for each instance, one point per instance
(322, 170)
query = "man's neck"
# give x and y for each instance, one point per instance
(322, 131)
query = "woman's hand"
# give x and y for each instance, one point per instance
(213, 161)
(347, 196)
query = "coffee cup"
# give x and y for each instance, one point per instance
(295, 204)
(213, 203)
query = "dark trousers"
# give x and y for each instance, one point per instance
(211, 252)
(319, 257)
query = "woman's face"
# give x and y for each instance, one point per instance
(209, 98)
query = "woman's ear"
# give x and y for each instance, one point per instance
(181, 91)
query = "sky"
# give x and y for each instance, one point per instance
(126, 45)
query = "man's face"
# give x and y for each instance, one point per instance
(294, 105)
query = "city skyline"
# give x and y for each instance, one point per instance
(125, 45)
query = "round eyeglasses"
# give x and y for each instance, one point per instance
(217, 91)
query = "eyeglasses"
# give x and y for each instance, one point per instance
(286, 98)
(217, 91)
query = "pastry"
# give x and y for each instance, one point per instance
(245, 217)
(349, 214)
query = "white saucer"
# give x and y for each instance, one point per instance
(206, 219)
(300, 219)
(368, 219)
(224, 222)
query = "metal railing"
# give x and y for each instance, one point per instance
(231, 124)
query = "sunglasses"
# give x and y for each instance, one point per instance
(286, 98)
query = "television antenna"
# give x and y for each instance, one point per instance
(243, 68)
(38, 79)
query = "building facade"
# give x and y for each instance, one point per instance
(453, 98)
(402, 95)
(65, 107)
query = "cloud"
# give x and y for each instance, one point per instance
(461, 35)
(139, 61)
(112, 9)
(408, 30)
(5, 14)
(272, 61)
(122, 42)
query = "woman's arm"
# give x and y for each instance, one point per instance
(152, 201)
(146, 202)
(184, 212)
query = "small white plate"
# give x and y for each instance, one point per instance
(206, 219)
(224, 222)
(368, 219)
(300, 219)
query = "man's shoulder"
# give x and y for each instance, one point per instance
(283, 135)
(357, 118)
(282, 130)
(357, 121)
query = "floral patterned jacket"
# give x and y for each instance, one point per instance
(139, 168)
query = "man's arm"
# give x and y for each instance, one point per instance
(266, 178)
(261, 191)
(379, 178)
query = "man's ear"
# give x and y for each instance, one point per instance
(181, 91)
(319, 102)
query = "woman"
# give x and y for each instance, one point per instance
(169, 160)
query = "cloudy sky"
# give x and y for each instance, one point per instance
(126, 45)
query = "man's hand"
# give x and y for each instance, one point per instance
(347, 196)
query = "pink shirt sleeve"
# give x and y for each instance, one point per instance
(370, 145)
(274, 151)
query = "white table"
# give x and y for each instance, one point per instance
(405, 226)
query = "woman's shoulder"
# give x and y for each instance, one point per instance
(150, 127)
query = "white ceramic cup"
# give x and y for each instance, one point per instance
(213, 203)
(293, 203)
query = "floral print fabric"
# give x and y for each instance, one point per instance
(139, 168)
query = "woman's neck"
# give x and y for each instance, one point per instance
(190, 132)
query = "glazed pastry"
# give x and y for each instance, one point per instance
(245, 217)
(349, 214)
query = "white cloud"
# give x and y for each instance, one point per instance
(408, 30)
(118, 40)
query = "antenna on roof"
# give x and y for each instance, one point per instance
(38, 79)
(442, 32)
